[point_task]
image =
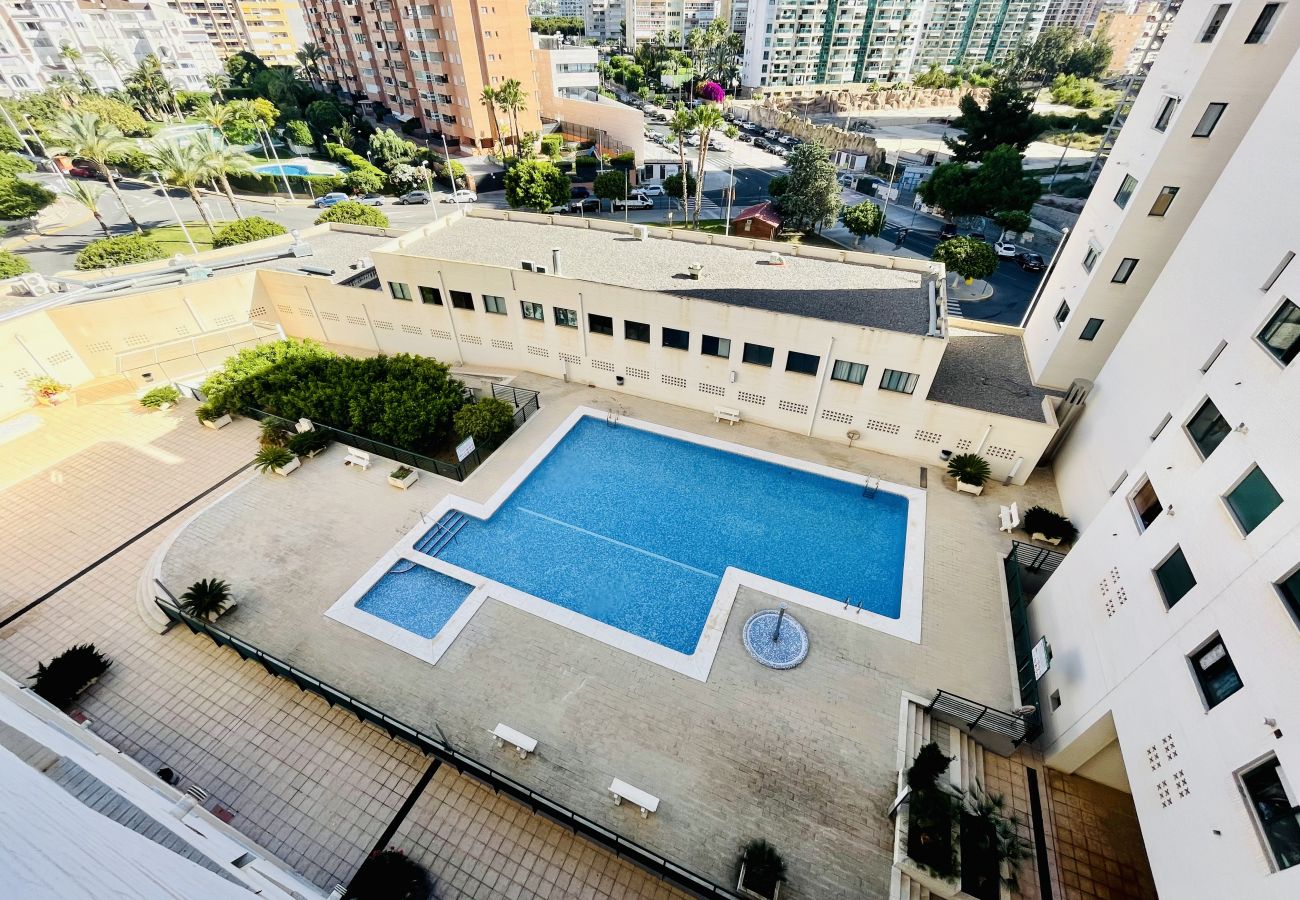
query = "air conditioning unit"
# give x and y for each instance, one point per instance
(527, 265)
(641, 232)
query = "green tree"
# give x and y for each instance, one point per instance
(243, 67)
(349, 212)
(1000, 183)
(252, 228)
(149, 89)
(89, 196)
(708, 118)
(107, 253)
(365, 181)
(967, 257)
(777, 187)
(121, 115)
(610, 185)
(88, 136)
(512, 100)
(310, 56)
(23, 199)
(1007, 118)
(680, 126)
(186, 166)
(673, 185)
(536, 184)
(297, 132)
(949, 188)
(1013, 220)
(489, 421)
(12, 265)
(863, 220)
(813, 197)
(11, 165)
(325, 116)
(389, 150)
(1090, 58)
(221, 160)
(489, 99)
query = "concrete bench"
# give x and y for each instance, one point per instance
(621, 790)
(731, 416)
(357, 458)
(1009, 517)
(522, 742)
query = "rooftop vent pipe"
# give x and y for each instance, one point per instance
(555, 261)
(695, 269)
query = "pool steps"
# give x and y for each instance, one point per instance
(442, 533)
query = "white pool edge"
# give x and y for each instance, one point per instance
(694, 665)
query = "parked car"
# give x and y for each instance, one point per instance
(1030, 262)
(81, 172)
(1006, 249)
(715, 144)
(635, 200)
(327, 200)
(585, 204)
(762, 144)
(651, 190)
(745, 138)
(976, 236)
(847, 180)
(462, 196)
(787, 140)
(771, 134)
(947, 231)
(579, 193)
(412, 197)
(99, 174)
(371, 200)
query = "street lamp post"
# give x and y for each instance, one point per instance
(731, 193)
(1064, 150)
(270, 142)
(44, 151)
(158, 178)
(884, 215)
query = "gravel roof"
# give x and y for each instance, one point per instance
(988, 372)
(336, 250)
(840, 292)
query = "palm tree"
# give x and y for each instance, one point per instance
(489, 99)
(65, 90)
(206, 599)
(679, 126)
(184, 166)
(73, 57)
(310, 56)
(222, 159)
(707, 117)
(344, 134)
(217, 81)
(86, 135)
(511, 100)
(89, 195)
(147, 85)
(215, 115)
(111, 58)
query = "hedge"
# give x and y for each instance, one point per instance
(349, 212)
(248, 183)
(12, 265)
(253, 228)
(125, 250)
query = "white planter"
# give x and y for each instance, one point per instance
(220, 421)
(288, 467)
(965, 488)
(163, 407)
(1039, 536)
(406, 482)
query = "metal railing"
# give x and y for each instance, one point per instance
(1036, 559)
(1022, 642)
(441, 749)
(366, 279)
(525, 401)
(999, 731)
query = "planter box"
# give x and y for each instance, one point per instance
(406, 482)
(288, 467)
(1039, 536)
(746, 892)
(965, 488)
(51, 399)
(220, 421)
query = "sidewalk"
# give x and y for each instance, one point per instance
(62, 214)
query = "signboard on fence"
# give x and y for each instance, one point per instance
(464, 449)
(1042, 657)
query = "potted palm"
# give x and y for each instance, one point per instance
(48, 391)
(279, 460)
(403, 477)
(275, 433)
(1047, 525)
(761, 871)
(69, 673)
(207, 599)
(309, 443)
(161, 398)
(211, 417)
(971, 471)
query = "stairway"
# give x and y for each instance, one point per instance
(442, 533)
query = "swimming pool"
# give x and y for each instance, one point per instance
(280, 169)
(639, 536)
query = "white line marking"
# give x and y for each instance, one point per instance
(611, 540)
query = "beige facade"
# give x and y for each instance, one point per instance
(567, 81)
(1125, 29)
(275, 29)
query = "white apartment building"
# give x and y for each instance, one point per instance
(1174, 621)
(569, 100)
(647, 18)
(1221, 62)
(604, 18)
(791, 42)
(736, 12)
(1076, 14)
(33, 32)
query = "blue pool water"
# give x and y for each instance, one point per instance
(415, 598)
(280, 169)
(635, 530)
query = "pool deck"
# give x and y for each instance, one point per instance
(805, 758)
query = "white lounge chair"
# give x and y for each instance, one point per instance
(1009, 516)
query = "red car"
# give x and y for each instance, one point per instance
(81, 172)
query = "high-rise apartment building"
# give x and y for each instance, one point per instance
(1127, 28)
(1077, 14)
(604, 18)
(1174, 620)
(429, 62)
(647, 18)
(271, 29)
(789, 42)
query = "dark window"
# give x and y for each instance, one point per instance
(1090, 329)
(600, 324)
(566, 317)
(1281, 336)
(715, 346)
(534, 311)
(677, 339)
(430, 295)
(1166, 113)
(803, 363)
(1163, 199)
(462, 299)
(1264, 24)
(1125, 192)
(1175, 577)
(1215, 672)
(636, 331)
(1146, 504)
(399, 290)
(1253, 499)
(1216, 22)
(1289, 588)
(757, 355)
(1208, 428)
(494, 304)
(902, 382)
(1126, 267)
(1090, 257)
(1062, 313)
(853, 373)
(1209, 119)
(1278, 817)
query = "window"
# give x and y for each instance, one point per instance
(399, 291)
(1163, 199)
(1126, 267)
(1215, 672)
(1264, 24)
(853, 373)
(1281, 336)
(1207, 428)
(1175, 577)
(1253, 499)
(1275, 813)
(534, 311)
(1209, 119)
(1125, 191)
(1090, 257)
(1289, 588)
(902, 382)
(1166, 114)
(715, 346)
(803, 363)
(1216, 22)
(494, 304)
(677, 339)
(430, 295)
(757, 355)
(1062, 313)
(1277, 273)
(462, 299)
(636, 331)
(1090, 329)
(600, 324)
(566, 317)
(1145, 504)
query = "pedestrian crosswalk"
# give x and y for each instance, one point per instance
(954, 308)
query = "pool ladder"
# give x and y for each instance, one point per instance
(857, 607)
(442, 533)
(870, 487)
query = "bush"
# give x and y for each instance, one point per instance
(269, 459)
(627, 159)
(206, 599)
(43, 386)
(160, 395)
(349, 212)
(587, 162)
(969, 468)
(115, 112)
(134, 162)
(298, 133)
(308, 442)
(1049, 523)
(388, 875)
(69, 673)
(764, 867)
(552, 145)
(274, 433)
(125, 250)
(967, 257)
(207, 412)
(611, 185)
(488, 421)
(243, 231)
(365, 181)
(12, 265)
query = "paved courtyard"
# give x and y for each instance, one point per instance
(805, 758)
